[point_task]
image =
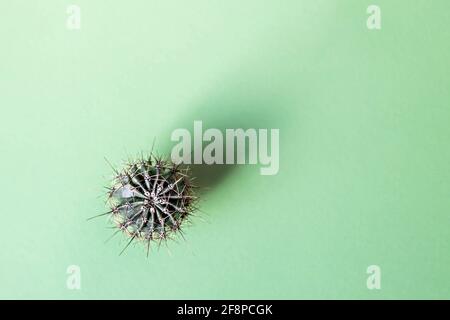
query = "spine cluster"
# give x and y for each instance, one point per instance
(150, 199)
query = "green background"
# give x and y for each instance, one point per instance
(364, 153)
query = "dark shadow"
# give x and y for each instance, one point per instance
(245, 108)
(257, 94)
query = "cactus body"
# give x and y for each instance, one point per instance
(150, 199)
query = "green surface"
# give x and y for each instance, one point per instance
(364, 157)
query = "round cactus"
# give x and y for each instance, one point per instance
(150, 199)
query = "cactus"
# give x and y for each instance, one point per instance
(150, 200)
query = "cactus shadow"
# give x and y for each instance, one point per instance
(229, 110)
